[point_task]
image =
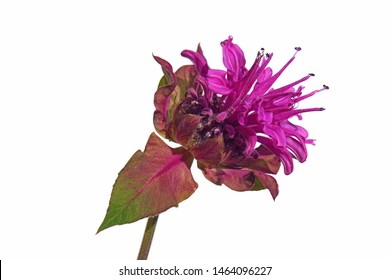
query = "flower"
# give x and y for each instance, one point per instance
(233, 121)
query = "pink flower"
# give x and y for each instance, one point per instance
(249, 109)
(233, 121)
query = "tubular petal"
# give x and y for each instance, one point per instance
(233, 58)
(243, 109)
(281, 153)
(217, 81)
(298, 148)
(250, 139)
(198, 60)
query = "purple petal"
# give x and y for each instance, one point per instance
(217, 81)
(311, 93)
(287, 87)
(288, 114)
(310, 141)
(263, 116)
(230, 131)
(206, 112)
(282, 153)
(250, 139)
(221, 117)
(265, 83)
(250, 77)
(233, 58)
(198, 60)
(276, 133)
(298, 148)
(260, 87)
(284, 100)
(295, 130)
(265, 75)
(242, 118)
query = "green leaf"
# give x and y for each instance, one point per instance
(150, 183)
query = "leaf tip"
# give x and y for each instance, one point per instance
(101, 228)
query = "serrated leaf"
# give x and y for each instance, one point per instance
(151, 182)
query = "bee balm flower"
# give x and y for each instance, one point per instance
(233, 121)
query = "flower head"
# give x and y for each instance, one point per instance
(233, 121)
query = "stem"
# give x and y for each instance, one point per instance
(148, 237)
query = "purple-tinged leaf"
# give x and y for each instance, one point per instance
(150, 183)
(266, 161)
(170, 93)
(185, 77)
(241, 179)
(162, 96)
(210, 152)
(235, 179)
(182, 128)
(266, 181)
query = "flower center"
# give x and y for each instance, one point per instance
(210, 126)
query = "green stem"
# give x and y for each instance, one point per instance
(148, 237)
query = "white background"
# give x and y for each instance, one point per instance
(77, 80)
